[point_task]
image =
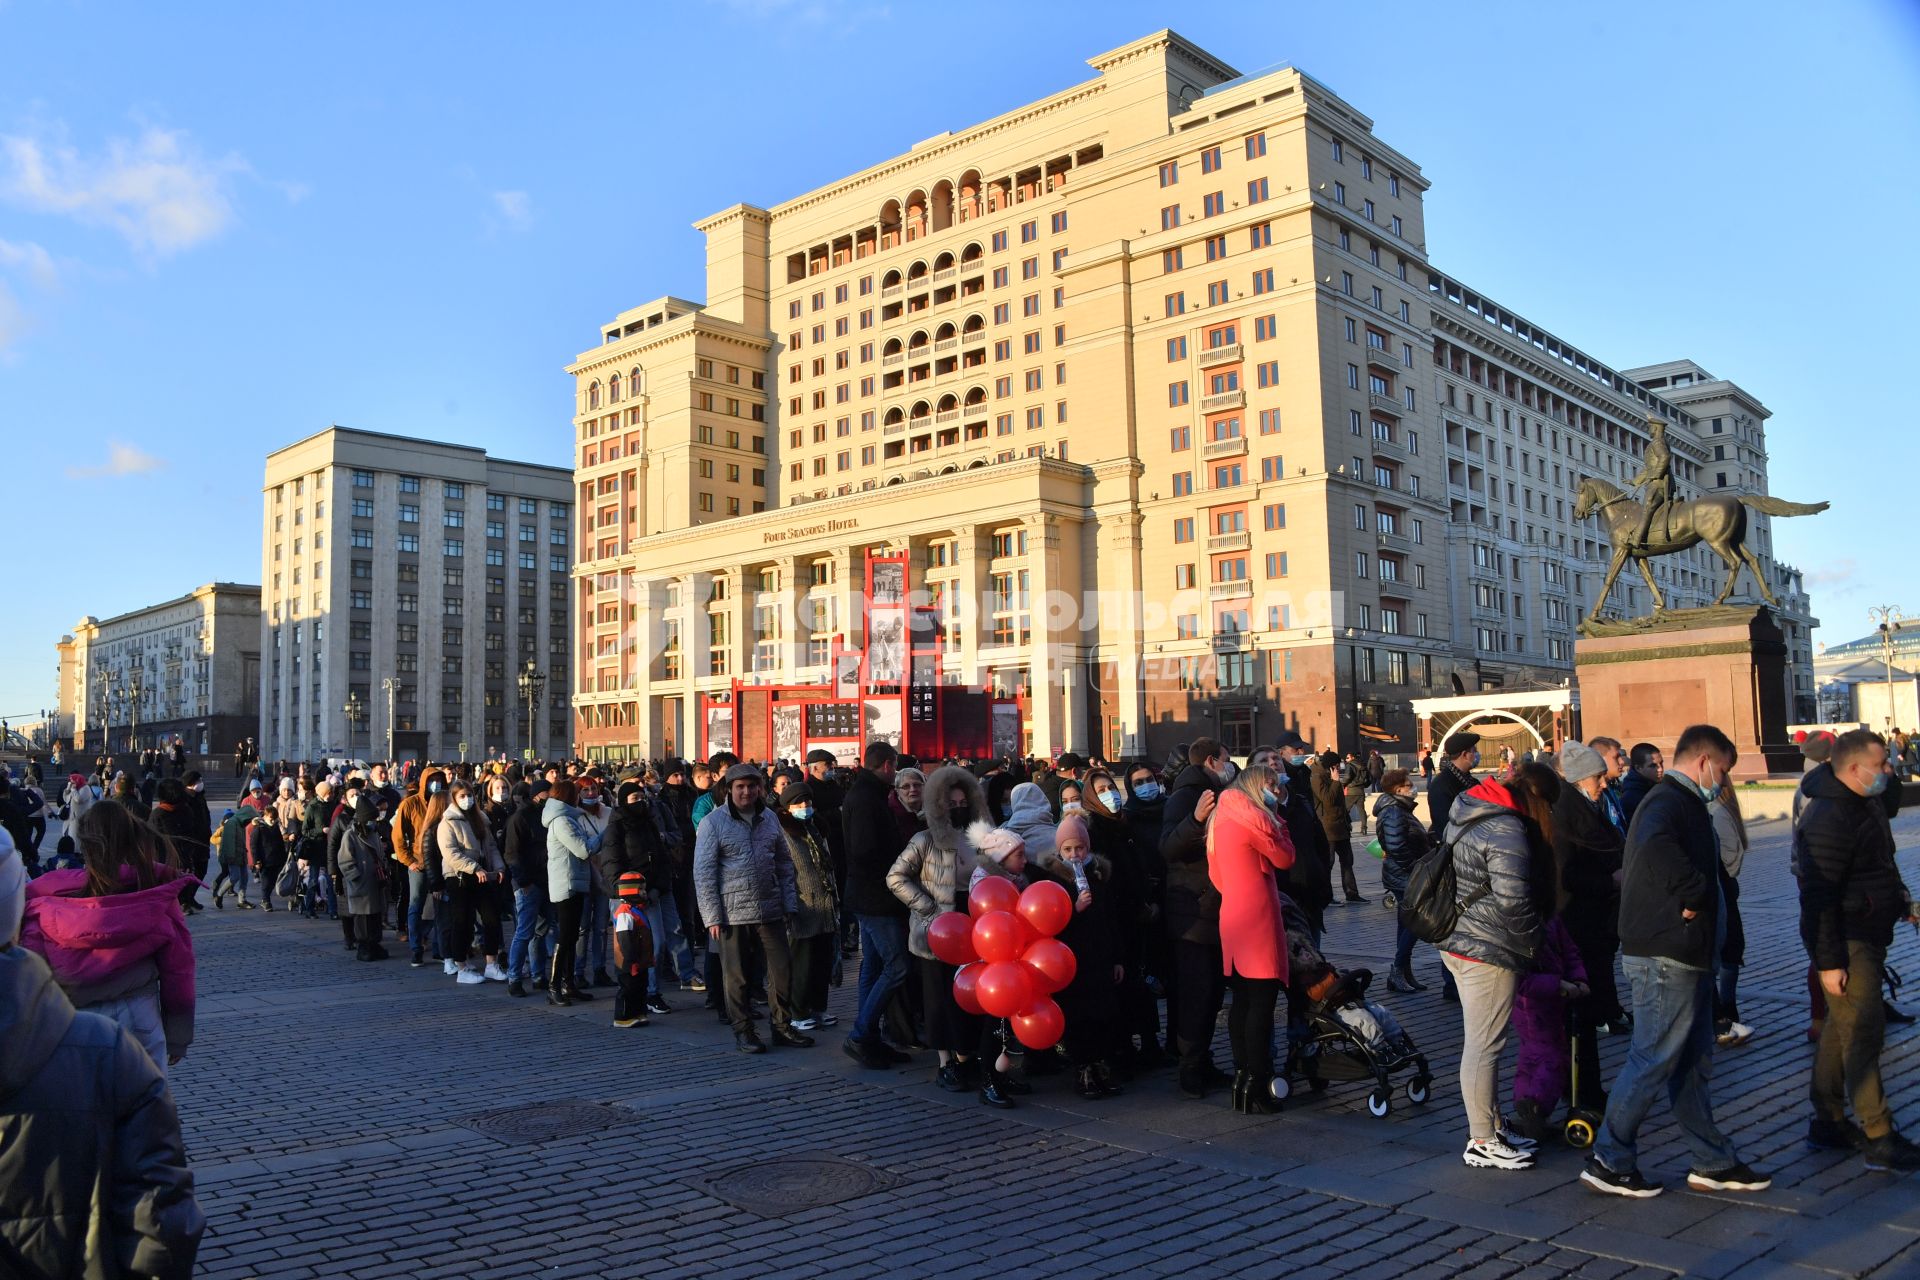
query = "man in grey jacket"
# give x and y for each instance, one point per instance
(744, 877)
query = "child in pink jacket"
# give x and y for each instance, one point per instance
(114, 934)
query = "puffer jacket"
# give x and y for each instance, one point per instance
(1031, 818)
(1588, 850)
(1492, 864)
(411, 836)
(103, 949)
(571, 842)
(742, 871)
(1850, 886)
(466, 843)
(931, 873)
(634, 843)
(93, 1173)
(812, 876)
(1402, 839)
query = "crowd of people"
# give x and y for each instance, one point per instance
(1196, 887)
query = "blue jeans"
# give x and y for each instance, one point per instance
(883, 967)
(1672, 1050)
(416, 902)
(669, 939)
(528, 953)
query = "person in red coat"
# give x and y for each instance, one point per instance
(1247, 842)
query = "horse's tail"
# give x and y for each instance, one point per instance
(1780, 506)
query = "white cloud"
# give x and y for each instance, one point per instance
(515, 209)
(33, 259)
(122, 460)
(156, 190)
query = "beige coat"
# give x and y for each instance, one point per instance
(466, 844)
(932, 872)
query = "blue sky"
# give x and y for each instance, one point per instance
(223, 226)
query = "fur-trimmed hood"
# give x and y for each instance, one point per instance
(1050, 863)
(937, 805)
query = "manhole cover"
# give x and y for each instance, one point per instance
(791, 1184)
(548, 1121)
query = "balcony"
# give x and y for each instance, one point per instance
(973, 338)
(1231, 447)
(893, 429)
(974, 410)
(973, 266)
(1387, 405)
(1241, 590)
(893, 290)
(1230, 541)
(1225, 400)
(887, 362)
(947, 415)
(1228, 354)
(1384, 447)
(1383, 357)
(945, 273)
(946, 344)
(1393, 541)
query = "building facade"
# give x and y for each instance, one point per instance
(1155, 386)
(412, 581)
(186, 667)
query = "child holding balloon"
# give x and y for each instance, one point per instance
(1091, 1000)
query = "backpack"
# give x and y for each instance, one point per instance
(1431, 906)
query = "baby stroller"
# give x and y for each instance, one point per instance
(1349, 1037)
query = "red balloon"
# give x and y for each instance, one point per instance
(1047, 907)
(993, 893)
(966, 982)
(1005, 988)
(950, 937)
(996, 936)
(1052, 962)
(1040, 1025)
(1027, 936)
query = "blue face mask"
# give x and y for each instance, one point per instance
(1111, 799)
(800, 813)
(433, 788)
(1146, 790)
(1878, 785)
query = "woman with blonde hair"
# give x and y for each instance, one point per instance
(1247, 843)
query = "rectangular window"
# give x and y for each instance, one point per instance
(1263, 281)
(1276, 564)
(1260, 236)
(1267, 374)
(1176, 394)
(1210, 159)
(1272, 469)
(1176, 304)
(1264, 328)
(1169, 173)
(1183, 529)
(1256, 145)
(1176, 348)
(1182, 484)
(1170, 217)
(1213, 204)
(1269, 422)
(1182, 439)
(1256, 191)
(1058, 223)
(1275, 515)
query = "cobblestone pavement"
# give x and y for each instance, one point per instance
(347, 1120)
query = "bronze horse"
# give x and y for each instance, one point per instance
(1720, 522)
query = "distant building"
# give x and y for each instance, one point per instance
(417, 579)
(187, 667)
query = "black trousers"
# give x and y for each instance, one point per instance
(1201, 988)
(739, 944)
(630, 998)
(366, 928)
(570, 909)
(813, 961)
(399, 891)
(471, 898)
(1343, 850)
(1250, 1023)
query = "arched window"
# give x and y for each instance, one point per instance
(634, 385)
(613, 389)
(593, 396)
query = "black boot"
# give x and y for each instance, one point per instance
(1259, 1099)
(948, 1077)
(1192, 1083)
(1010, 1082)
(1240, 1081)
(1103, 1076)
(1087, 1084)
(991, 1091)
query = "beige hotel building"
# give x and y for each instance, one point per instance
(1156, 385)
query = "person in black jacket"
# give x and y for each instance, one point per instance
(872, 843)
(1669, 918)
(525, 853)
(827, 799)
(1462, 752)
(1192, 915)
(633, 843)
(1403, 842)
(1645, 765)
(1851, 896)
(1588, 849)
(1309, 881)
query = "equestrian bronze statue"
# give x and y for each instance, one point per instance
(1720, 522)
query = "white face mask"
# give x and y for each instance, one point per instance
(466, 802)
(1071, 806)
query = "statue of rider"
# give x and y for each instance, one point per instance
(1656, 475)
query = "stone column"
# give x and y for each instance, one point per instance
(1045, 657)
(971, 546)
(1117, 576)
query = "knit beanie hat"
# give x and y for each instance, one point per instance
(1578, 760)
(1072, 825)
(13, 891)
(995, 843)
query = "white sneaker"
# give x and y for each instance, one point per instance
(448, 967)
(469, 977)
(1492, 1153)
(1514, 1140)
(1736, 1034)
(494, 973)
(827, 1020)
(806, 1024)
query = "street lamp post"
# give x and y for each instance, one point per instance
(1890, 619)
(391, 685)
(133, 711)
(533, 683)
(354, 708)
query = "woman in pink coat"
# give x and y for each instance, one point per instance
(114, 934)
(1246, 843)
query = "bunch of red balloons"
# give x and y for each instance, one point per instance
(1010, 962)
